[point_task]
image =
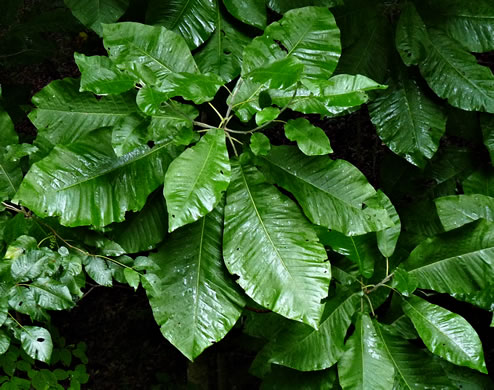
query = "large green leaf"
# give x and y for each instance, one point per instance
(92, 13)
(92, 185)
(150, 53)
(459, 261)
(309, 34)
(4, 342)
(143, 230)
(480, 182)
(195, 180)
(245, 99)
(9, 136)
(471, 24)
(407, 121)
(282, 6)
(332, 193)
(252, 12)
(487, 126)
(388, 238)
(194, 20)
(455, 75)
(273, 249)
(101, 76)
(193, 297)
(279, 74)
(457, 210)
(326, 97)
(414, 368)
(36, 342)
(222, 53)
(311, 140)
(446, 334)
(129, 133)
(365, 363)
(63, 114)
(10, 177)
(301, 347)
(411, 35)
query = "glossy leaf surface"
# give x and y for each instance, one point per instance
(273, 249)
(458, 210)
(252, 12)
(311, 140)
(37, 342)
(195, 180)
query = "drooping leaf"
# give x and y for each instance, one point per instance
(267, 114)
(471, 24)
(92, 13)
(388, 238)
(252, 12)
(326, 97)
(36, 342)
(98, 270)
(411, 35)
(311, 140)
(459, 261)
(446, 334)
(455, 75)
(194, 20)
(414, 368)
(101, 76)
(93, 186)
(63, 114)
(150, 53)
(142, 231)
(308, 34)
(132, 277)
(300, 347)
(259, 144)
(193, 298)
(332, 193)
(222, 53)
(407, 121)
(365, 363)
(458, 210)
(195, 180)
(273, 249)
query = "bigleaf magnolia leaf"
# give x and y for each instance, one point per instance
(245, 99)
(414, 368)
(388, 238)
(301, 347)
(365, 363)
(222, 53)
(92, 13)
(196, 180)
(311, 140)
(193, 298)
(149, 53)
(63, 114)
(407, 121)
(459, 261)
(446, 334)
(92, 185)
(194, 20)
(411, 36)
(332, 193)
(310, 35)
(457, 210)
(251, 12)
(273, 249)
(454, 74)
(36, 342)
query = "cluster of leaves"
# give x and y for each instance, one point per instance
(175, 154)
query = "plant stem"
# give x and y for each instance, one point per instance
(380, 284)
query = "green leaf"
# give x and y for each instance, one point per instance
(388, 238)
(129, 133)
(458, 210)
(93, 13)
(411, 35)
(266, 115)
(52, 295)
(245, 99)
(407, 121)
(194, 300)
(464, 378)
(30, 265)
(487, 125)
(471, 24)
(414, 368)
(195, 180)
(365, 363)
(404, 282)
(10, 177)
(280, 265)
(483, 298)
(259, 144)
(93, 186)
(4, 342)
(446, 334)
(196, 87)
(282, 6)
(36, 342)
(282, 378)
(194, 20)
(9, 136)
(63, 114)
(98, 270)
(222, 53)
(300, 347)
(455, 75)
(310, 35)
(480, 182)
(150, 53)
(332, 193)
(326, 97)
(311, 140)
(252, 12)
(132, 277)
(280, 74)
(459, 261)
(142, 231)
(101, 76)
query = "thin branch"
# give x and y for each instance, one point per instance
(381, 283)
(230, 105)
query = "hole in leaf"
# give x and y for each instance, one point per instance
(281, 46)
(40, 339)
(221, 171)
(20, 303)
(238, 249)
(173, 215)
(227, 52)
(364, 206)
(151, 144)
